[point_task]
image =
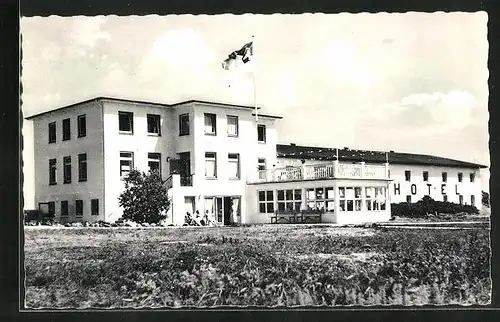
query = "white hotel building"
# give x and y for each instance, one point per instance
(216, 157)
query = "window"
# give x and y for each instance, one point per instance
(126, 163)
(261, 164)
(52, 132)
(461, 199)
(52, 171)
(154, 162)
(317, 198)
(64, 208)
(445, 176)
(289, 200)
(445, 198)
(350, 198)
(232, 126)
(82, 126)
(82, 167)
(67, 169)
(210, 124)
(153, 124)
(234, 165)
(407, 175)
(79, 208)
(94, 207)
(261, 133)
(66, 129)
(266, 202)
(375, 198)
(426, 175)
(126, 122)
(408, 198)
(473, 200)
(460, 176)
(472, 176)
(183, 124)
(52, 207)
(211, 165)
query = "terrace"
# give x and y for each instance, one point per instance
(330, 170)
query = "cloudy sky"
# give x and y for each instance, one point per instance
(413, 82)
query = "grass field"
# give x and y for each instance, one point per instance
(259, 266)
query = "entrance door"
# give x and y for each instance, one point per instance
(227, 210)
(219, 210)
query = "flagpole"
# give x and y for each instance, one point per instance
(254, 82)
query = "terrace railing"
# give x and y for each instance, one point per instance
(321, 171)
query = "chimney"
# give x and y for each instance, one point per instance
(346, 148)
(292, 144)
(392, 151)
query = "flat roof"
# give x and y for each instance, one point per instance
(321, 153)
(140, 102)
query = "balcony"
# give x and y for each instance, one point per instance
(333, 170)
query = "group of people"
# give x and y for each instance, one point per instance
(199, 220)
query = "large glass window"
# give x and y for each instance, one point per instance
(350, 198)
(266, 202)
(210, 165)
(320, 199)
(94, 207)
(460, 176)
(375, 198)
(445, 176)
(472, 176)
(289, 199)
(64, 208)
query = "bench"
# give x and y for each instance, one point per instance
(312, 216)
(294, 217)
(287, 216)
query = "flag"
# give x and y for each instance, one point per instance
(244, 54)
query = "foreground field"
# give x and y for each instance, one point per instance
(257, 266)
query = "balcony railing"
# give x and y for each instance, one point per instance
(322, 171)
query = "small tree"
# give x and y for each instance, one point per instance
(145, 197)
(485, 199)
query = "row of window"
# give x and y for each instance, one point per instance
(444, 176)
(350, 199)
(94, 207)
(126, 125)
(445, 199)
(127, 162)
(67, 176)
(66, 129)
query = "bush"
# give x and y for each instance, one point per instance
(145, 197)
(427, 205)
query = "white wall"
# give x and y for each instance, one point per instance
(140, 143)
(245, 145)
(90, 144)
(437, 186)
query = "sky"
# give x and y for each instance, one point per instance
(411, 82)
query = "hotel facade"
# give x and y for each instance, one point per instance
(215, 157)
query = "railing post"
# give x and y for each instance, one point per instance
(303, 171)
(335, 170)
(386, 170)
(362, 169)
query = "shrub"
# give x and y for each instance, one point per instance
(145, 197)
(427, 205)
